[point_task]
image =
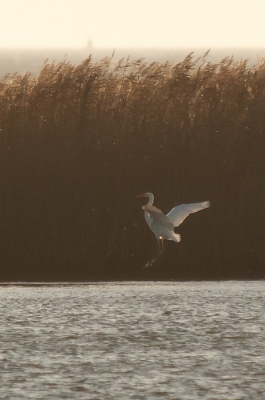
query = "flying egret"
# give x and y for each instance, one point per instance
(163, 225)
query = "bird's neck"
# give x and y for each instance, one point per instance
(150, 201)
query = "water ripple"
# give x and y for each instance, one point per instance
(174, 340)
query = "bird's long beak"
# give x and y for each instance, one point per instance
(141, 195)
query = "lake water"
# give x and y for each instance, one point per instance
(163, 340)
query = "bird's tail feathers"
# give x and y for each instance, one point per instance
(177, 237)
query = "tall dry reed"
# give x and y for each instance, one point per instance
(78, 143)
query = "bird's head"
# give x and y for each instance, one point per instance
(149, 195)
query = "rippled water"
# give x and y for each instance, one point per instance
(133, 341)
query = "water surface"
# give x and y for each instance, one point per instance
(195, 340)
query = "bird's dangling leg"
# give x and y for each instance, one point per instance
(159, 245)
(162, 245)
(160, 250)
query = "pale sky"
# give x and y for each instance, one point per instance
(132, 23)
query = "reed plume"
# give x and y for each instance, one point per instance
(78, 143)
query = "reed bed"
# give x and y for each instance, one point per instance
(78, 143)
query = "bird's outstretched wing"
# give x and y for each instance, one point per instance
(158, 217)
(179, 213)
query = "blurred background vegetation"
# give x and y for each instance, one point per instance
(31, 60)
(79, 142)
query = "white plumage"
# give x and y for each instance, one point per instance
(163, 225)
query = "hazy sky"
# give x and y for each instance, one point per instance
(132, 23)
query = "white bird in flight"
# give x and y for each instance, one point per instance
(163, 225)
